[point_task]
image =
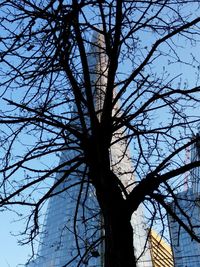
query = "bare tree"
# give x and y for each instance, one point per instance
(49, 96)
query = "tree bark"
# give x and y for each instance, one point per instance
(119, 251)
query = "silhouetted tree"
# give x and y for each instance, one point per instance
(48, 105)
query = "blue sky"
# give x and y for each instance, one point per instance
(10, 252)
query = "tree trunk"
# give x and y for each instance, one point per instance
(119, 251)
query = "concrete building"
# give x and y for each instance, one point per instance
(64, 242)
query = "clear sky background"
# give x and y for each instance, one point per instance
(11, 253)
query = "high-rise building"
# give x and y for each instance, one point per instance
(195, 173)
(161, 252)
(64, 242)
(186, 250)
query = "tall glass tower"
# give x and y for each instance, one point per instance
(64, 242)
(186, 250)
(195, 174)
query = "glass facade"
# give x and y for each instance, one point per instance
(62, 239)
(186, 251)
(195, 173)
(63, 242)
(66, 243)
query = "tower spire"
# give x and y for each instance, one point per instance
(72, 232)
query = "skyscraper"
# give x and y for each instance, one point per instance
(195, 173)
(186, 250)
(73, 233)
